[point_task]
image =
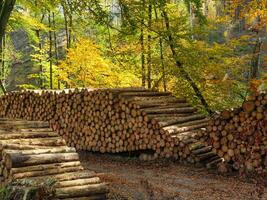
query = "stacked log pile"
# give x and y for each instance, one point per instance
(31, 151)
(240, 135)
(117, 120)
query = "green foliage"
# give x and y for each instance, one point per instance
(5, 193)
(105, 47)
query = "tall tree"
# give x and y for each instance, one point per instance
(143, 67)
(50, 52)
(179, 64)
(149, 52)
(6, 7)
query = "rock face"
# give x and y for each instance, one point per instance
(22, 65)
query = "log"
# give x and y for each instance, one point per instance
(78, 182)
(202, 150)
(54, 141)
(178, 120)
(81, 191)
(169, 110)
(18, 160)
(45, 172)
(65, 177)
(8, 136)
(44, 166)
(92, 197)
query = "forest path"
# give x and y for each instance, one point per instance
(165, 180)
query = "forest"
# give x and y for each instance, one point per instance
(212, 52)
(133, 99)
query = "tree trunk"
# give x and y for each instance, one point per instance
(50, 52)
(56, 48)
(161, 57)
(66, 22)
(6, 8)
(149, 60)
(38, 35)
(179, 65)
(255, 62)
(70, 22)
(3, 46)
(143, 47)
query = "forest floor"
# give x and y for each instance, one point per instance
(131, 179)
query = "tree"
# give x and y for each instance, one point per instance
(6, 7)
(85, 66)
(179, 65)
(253, 15)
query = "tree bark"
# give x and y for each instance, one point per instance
(255, 62)
(143, 47)
(38, 35)
(6, 8)
(50, 52)
(161, 56)
(70, 22)
(56, 47)
(179, 65)
(66, 22)
(3, 46)
(149, 59)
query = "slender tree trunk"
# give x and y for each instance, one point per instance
(143, 46)
(161, 56)
(162, 64)
(70, 21)
(6, 7)
(149, 60)
(255, 61)
(38, 35)
(50, 52)
(3, 47)
(66, 23)
(179, 65)
(191, 18)
(56, 47)
(55, 37)
(3, 58)
(70, 30)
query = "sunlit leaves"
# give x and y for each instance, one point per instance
(85, 66)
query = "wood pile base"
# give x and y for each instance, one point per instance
(239, 136)
(118, 120)
(31, 151)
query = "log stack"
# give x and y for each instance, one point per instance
(31, 151)
(117, 120)
(239, 136)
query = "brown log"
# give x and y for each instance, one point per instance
(18, 160)
(78, 182)
(44, 167)
(45, 172)
(81, 191)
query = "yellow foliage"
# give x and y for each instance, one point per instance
(254, 12)
(85, 66)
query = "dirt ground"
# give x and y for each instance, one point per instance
(131, 179)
